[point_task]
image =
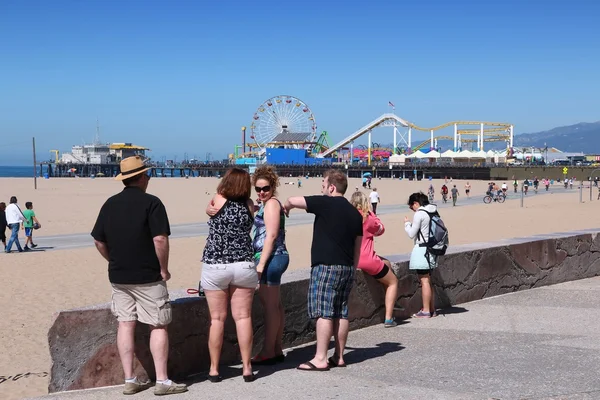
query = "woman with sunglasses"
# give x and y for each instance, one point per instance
(272, 259)
(228, 270)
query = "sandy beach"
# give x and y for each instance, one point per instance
(38, 284)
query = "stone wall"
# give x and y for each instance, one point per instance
(83, 342)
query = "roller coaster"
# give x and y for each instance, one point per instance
(487, 132)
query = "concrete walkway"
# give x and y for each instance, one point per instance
(80, 240)
(536, 344)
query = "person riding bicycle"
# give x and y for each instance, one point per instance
(490, 189)
(504, 188)
(525, 185)
(431, 193)
(445, 193)
(536, 184)
(516, 185)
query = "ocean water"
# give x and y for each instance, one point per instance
(19, 172)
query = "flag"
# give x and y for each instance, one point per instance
(391, 104)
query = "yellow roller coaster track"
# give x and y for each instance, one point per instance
(503, 125)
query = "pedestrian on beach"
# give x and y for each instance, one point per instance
(374, 197)
(14, 217)
(468, 190)
(372, 264)
(3, 224)
(454, 193)
(272, 260)
(132, 233)
(29, 224)
(421, 260)
(228, 269)
(335, 253)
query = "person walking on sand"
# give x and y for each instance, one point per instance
(421, 260)
(374, 197)
(370, 263)
(132, 233)
(3, 224)
(468, 190)
(28, 225)
(454, 193)
(272, 260)
(14, 217)
(335, 253)
(229, 274)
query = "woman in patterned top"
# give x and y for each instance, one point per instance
(228, 271)
(272, 259)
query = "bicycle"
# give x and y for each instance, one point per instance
(500, 198)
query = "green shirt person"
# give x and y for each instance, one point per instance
(28, 214)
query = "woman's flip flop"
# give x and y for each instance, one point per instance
(311, 367)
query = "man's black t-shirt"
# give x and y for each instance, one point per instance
(337, 225)
(127, 223)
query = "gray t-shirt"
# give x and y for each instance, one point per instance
(454, 192)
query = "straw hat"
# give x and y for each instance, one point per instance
(130, 167)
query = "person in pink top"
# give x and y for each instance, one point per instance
(370, 263)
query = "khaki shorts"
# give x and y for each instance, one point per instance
(148, 303)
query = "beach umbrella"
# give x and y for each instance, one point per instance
(366, 174)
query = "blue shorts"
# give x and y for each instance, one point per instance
(328, 291)
(276, 266)
(28, 232)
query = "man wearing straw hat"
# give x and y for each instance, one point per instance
(132, 234)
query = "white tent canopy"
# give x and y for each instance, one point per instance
(449, 154)
(433, 154)
(464, 154)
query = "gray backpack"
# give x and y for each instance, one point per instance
(438, 242)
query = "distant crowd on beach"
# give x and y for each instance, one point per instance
(245, 253)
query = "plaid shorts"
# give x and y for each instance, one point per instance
(328, 291)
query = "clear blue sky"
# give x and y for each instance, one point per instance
(184, 76)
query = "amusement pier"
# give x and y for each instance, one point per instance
(283, 132)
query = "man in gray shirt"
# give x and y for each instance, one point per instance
(454, 193)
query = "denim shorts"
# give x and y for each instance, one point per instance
(276, 266)
(28, 232)
(328, 291)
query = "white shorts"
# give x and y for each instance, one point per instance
(221, 276)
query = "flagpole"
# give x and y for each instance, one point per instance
(395, 128)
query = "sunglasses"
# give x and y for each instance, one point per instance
(265, 189)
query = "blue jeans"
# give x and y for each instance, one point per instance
(14, 237)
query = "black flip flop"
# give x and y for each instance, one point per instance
(333, 363)
(312, 367)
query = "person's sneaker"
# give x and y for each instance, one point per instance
(33, 246)
(135, 387)
(174, 388)
(422, 314)
(26, 248)
(390, 323)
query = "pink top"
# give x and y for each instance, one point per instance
(369, 261)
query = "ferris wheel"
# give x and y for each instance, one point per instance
(282, 115)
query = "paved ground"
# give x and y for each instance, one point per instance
(536, 344)
(79, 240)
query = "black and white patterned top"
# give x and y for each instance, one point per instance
(229, 235)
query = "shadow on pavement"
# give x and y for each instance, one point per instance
(354, 355)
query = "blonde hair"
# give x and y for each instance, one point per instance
(360, 201)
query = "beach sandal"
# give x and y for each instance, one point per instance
(333, 362)
(311, 367)
(422, 314)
